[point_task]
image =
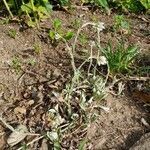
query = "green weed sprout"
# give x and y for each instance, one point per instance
(12, 33)
(16, 64)
(57, 34)
(121, 24)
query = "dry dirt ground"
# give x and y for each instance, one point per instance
(25, 96)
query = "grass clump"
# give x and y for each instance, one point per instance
(120, 58)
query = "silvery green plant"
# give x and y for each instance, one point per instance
(82, 81)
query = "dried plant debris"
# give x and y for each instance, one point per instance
(17, 135)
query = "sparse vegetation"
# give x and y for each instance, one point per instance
(121, 25)
(59, 107)
(38, 10)
(37, 48)
(12, 33)
(16, 64)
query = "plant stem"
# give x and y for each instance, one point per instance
(32, 4)
(8, 9)
(34, 13)
(7, 125)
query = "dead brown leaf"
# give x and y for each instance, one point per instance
(17, 135)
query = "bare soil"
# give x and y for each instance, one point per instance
(25, 97)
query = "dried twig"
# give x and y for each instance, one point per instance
(34, 140)
(137, 78)
(7, 125)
